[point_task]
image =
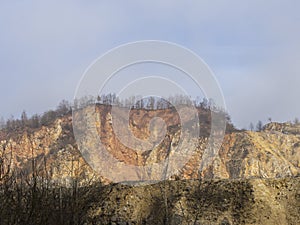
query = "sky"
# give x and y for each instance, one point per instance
(252, 46)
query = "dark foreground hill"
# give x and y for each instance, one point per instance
(215, 202)
(220, 202)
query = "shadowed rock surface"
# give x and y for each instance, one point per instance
(220, 202)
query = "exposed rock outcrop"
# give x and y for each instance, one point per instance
(253, 178)
(271, 153)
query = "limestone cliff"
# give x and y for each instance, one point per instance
(252, 179)
(49, 152)
(271, 153)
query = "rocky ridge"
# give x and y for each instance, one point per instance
(252, 179)
(271, 153)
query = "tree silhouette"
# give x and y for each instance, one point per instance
(259, 126)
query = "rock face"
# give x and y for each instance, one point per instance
(253, 178)
(257, 155)
(286, 128)
(218, 202)
(48, 152)
(271, 153)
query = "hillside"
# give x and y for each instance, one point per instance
(252, 179)
(215, 202)
(270, 153)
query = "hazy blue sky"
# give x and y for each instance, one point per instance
(252, 46)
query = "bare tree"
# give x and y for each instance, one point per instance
(251, 126)
(2, 123)
(24, 118)
(63, 108)
(259, 126)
